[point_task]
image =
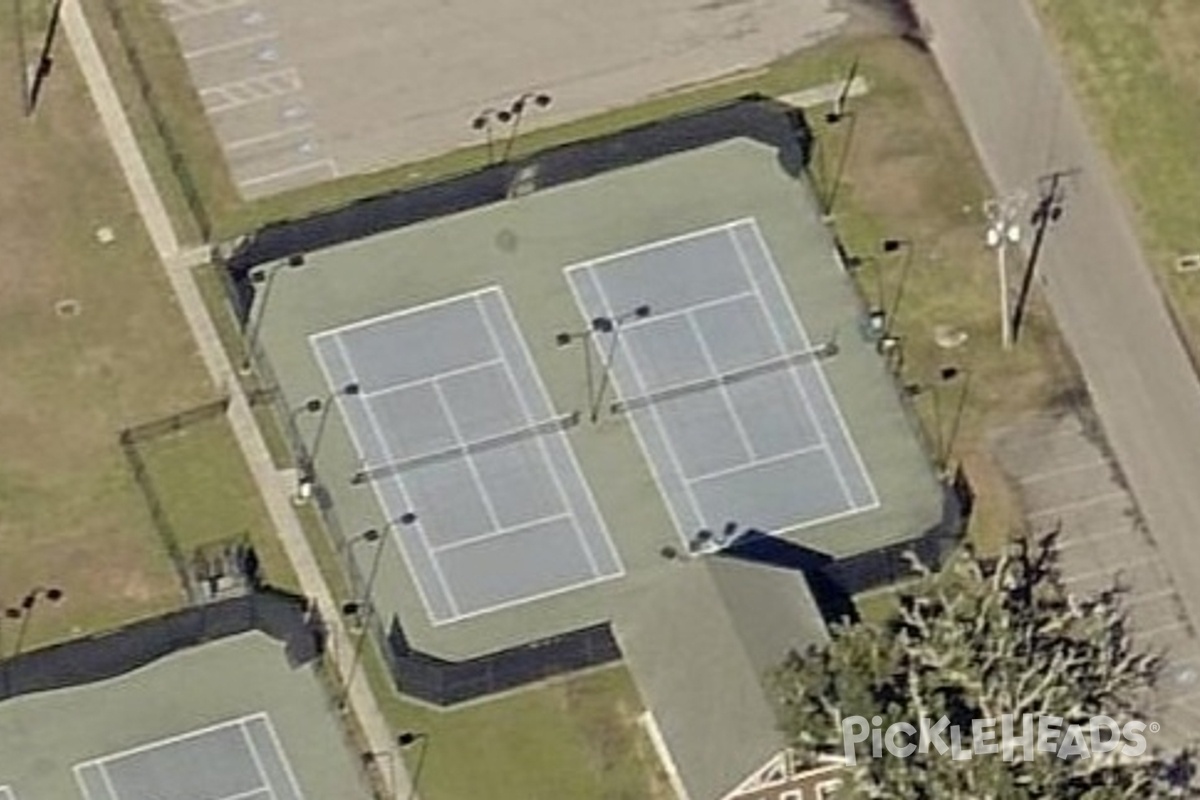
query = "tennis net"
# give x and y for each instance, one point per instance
(820, 352)
(559, 423)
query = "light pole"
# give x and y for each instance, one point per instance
(613, 326)
(892, 246)
(365, 608)
(1001, 232)
(307, 458)
(406, 740)
(568, 338)
(943, 445)
(483, 122)
(516, 113)
(24, 612)
(258, 307)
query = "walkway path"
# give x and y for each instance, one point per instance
(274, 489)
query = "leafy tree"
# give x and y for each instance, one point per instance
(985, 638)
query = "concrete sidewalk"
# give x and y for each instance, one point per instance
(274, 491)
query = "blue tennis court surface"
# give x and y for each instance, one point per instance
(725, 389)
(236, 760)
(453, 425)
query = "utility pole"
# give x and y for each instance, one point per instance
(1003, 231)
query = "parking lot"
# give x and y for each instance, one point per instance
(302, 91)
(1070, 486)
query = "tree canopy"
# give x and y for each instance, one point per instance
(986, 639)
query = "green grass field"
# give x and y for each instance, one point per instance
(117, 354)
(192, 472)
(71, 516)
(1136, 66)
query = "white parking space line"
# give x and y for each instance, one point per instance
(222, 97)
(256, 180)
(279, 133)
(1113, 570)
(1065, 470)
(1078, 504)
(231, 44)
(188, 11)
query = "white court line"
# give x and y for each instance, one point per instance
(283, 759)
(381, 438)
(258, 765)
(809, 410)
(647, 459)
(515, 387)
(565, 443)
(327, 163)
(231, 44)
(656, 244)
(837, 409)
(108, 784)
(203, 10)
(483, 537)
(278, 133)
(375, 491)
(6, 793)
(653, 409)
(472, 467)
(756, 463)
(253, 793)
(657, 316)
(401, 313)
(450, 373)
(722, 388)
(169, 740)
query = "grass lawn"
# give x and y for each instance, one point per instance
(208, 495)
(910, 173)
(70, 515)
(1136, 66)
(577, 738)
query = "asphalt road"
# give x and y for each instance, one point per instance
(1011, 93)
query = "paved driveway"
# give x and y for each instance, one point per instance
(302, 90)
(1070, 486)
(1025, 123)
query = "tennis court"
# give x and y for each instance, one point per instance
(725, 389)
(240, 759)
(456, 435)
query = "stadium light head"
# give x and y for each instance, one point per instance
(409, 738)
(602, 325)
(351, 389)
(480, 122)
(562, 339)
(408, 518)
(642, 311)
(892, 245)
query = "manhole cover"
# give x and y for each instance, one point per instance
(67, 308)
